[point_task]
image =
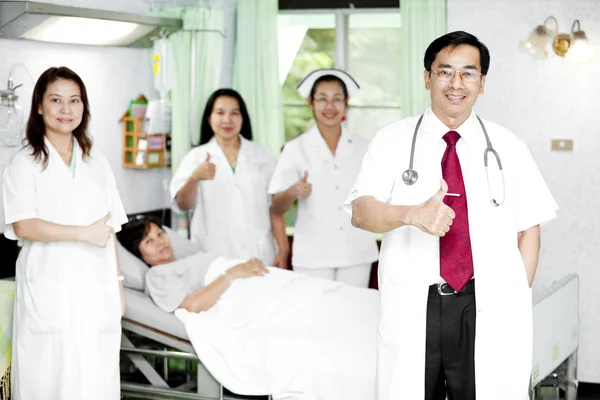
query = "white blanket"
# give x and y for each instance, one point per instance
(291, 336)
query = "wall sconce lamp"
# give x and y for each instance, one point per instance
(574, 47)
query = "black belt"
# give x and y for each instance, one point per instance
(443, 289)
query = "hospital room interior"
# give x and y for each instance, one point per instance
(152, 69)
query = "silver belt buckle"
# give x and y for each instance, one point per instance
(439, 288)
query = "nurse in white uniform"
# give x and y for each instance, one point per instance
(459, 254)
(61, 200)
(224, 181)
(317, 169)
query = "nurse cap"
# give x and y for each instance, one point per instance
(306, 84)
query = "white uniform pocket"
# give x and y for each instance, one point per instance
(47, 307)
(212, 207)
(106, 305)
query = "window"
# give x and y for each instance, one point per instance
(306, 42)
(312, 4)
(366, 43)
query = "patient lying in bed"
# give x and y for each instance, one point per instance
(175, 283)
(261, 330)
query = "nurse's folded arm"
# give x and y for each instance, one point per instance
(186, 197)
(205, 298)
(433, 216)
(300, 190)
(38, 230)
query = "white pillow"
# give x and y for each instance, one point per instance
(182, 246)
(134, 270)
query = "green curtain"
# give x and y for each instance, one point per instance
(255, 71)
(208, 22)
(422, 22)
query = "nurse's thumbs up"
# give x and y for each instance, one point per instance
(303, 188)
(433, 216)
(98, 233)
(206, 171)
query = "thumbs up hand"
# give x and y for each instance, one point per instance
(433, 216)
(206, 171)
(303, 189)
(98, 233)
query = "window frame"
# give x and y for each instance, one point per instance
(332, 4)
(342, 22)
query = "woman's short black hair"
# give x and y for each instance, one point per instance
(135, 231)
(455, 39)
(206, 132)
(328, 78)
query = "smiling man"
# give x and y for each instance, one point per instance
(461, 241)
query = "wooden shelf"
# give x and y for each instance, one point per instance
(144, 151)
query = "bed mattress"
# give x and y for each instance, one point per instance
(141, 309)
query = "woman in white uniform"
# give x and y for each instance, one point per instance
(318, 169)
(61, 200)
(224, 181)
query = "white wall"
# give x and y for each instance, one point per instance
(541, 100)
(113, 76)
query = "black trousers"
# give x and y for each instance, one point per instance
(450, 345)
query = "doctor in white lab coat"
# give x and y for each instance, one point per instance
(224, 181)
(434, 342)
(61, 200)
(318, 169)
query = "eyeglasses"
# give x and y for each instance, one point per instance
(322, 102)
(447, 74)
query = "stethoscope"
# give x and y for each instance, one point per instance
(410, 176)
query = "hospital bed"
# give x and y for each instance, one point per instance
(555, 344)
(556, 340)
(144, 318)
(164, 338)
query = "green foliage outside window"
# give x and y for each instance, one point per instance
(316, 52)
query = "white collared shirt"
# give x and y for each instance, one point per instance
(324, 236)
(526, 194)
(231, 217)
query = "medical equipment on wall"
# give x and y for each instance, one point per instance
(410, 176)
(162, 59)
(11, 116)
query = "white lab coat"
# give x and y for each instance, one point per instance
(231, 217)
(67, 329)
(324, 236)
(409, 260)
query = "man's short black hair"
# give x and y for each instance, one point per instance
(455, 39)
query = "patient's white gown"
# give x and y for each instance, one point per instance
(169, 284)
(67, 331)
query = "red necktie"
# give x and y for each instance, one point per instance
(456, 259)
